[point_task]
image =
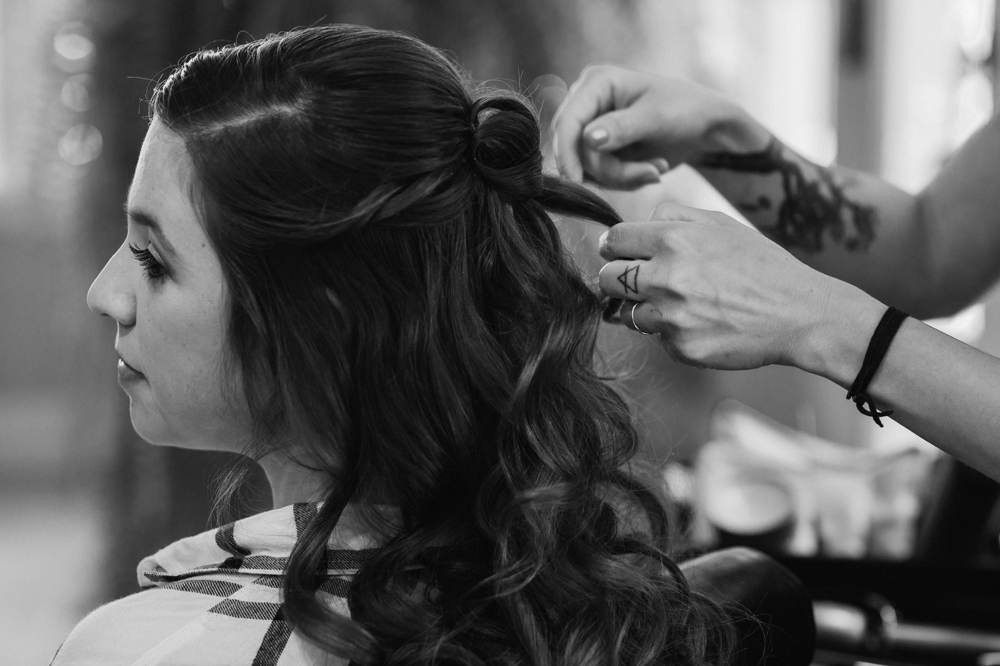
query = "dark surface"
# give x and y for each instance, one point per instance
(943, 593)
(770, 606)
(959, 504)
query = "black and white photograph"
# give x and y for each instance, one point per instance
(499, 332)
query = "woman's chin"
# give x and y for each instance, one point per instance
(148, 429)
(154, 429)
(150, 425)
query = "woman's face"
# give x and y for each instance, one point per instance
(165, 290)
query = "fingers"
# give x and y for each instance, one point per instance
(646, 319)
(638, 316)
(587, 99)
(629, 240)
(624, 279)
(634, 317)
(619, 129)
(642, 240)
(599, 115)
(612, 171)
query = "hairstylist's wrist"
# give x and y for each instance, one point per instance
(732, 130)
(834, 342)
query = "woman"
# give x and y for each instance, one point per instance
(339, 261)
(838, 247)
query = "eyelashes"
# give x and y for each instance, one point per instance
(153, 269)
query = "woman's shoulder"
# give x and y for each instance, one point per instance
(232, 619)
(214, 598)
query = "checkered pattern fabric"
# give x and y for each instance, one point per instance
(214, 599)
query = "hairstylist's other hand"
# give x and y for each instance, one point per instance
(624, 129)
(717, 293)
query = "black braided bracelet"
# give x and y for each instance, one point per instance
(877, 348)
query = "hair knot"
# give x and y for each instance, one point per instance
(505, 148)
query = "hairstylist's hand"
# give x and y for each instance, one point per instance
(624, 129)
(717, 293)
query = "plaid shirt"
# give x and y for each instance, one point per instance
(214, 599)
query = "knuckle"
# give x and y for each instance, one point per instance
(679, 283)
(685, 322)
(665, 243)
(659, 244)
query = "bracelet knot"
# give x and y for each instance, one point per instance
(877, 348)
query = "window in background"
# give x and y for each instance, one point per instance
(777, 58)
(937, 89)
(4, 149)
(48, 509)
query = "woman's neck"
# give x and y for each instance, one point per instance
(291, 482)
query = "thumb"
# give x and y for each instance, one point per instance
(617, 129)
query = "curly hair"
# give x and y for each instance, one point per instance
(400, 303)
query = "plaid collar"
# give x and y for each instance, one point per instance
(258, 545)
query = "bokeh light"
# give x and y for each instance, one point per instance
(81, 144)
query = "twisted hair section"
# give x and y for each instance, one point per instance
(401, 304)
(505, 147)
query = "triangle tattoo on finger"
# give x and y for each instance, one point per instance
(630, 279)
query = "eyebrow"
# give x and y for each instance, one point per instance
(144, 219)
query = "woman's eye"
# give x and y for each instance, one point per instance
(153, 269)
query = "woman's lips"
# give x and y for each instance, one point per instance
(126, 373)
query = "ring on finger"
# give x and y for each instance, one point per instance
(630, 323)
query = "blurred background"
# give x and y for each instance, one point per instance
(890, 86)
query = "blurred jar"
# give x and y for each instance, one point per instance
(838, 501)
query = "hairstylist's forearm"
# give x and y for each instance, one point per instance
(850, 225)
(943, 390)
(930, 254)
(961, 220)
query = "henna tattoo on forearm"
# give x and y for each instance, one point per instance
(812, 207)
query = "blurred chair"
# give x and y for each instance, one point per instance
(771, 608)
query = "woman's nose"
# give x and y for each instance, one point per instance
(112, 294)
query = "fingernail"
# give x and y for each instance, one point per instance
(600, 241)
(661, 165)
(598, 136)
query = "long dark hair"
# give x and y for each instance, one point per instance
(401, 304)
